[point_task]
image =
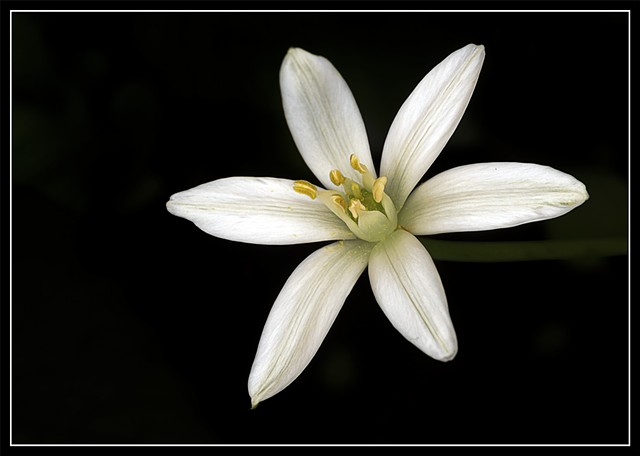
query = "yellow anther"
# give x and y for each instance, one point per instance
(355, 189)
(378, 188)
(305, 188)
(339, 201)
(336, 177)
(355, 164)
(355, 206)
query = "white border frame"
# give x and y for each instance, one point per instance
(11, 444)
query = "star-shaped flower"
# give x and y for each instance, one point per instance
(373, 219)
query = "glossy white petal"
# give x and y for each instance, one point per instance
(322, 115)
(486, 196)
(258, 210)
(427, 120)
(407, 287)
(302, 315)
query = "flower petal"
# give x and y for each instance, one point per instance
(302, 315)
(486, 196)
(427, 120)
(258, 210)
(407, 287)
(322, 115)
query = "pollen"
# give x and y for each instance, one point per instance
(355, 164)
(361, 203)
(336, 177)
(305, 188)
(339, 201)
(378, 188)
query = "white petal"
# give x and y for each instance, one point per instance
(407, 287)
(258, 210)
(427, 120)
(486, 196)
(322, 115)
(302, 315)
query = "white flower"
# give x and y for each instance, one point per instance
(374, 219)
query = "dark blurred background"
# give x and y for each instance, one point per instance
(132, 326)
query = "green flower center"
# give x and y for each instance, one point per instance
(363, 206)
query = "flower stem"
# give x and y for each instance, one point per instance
(524, 251)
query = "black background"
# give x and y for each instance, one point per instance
(130, 325)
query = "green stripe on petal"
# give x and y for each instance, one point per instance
(407, 287)
(302, 315)
(486, 196)
(258, 210)
(323, 116)
(427, 119)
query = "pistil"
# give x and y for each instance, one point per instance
(355, 207)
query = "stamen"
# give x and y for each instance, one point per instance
(355, 189)
(339, 201)
(356, 206)
(355, 164)
(305, 188)
(336, 177)
(378, 188)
